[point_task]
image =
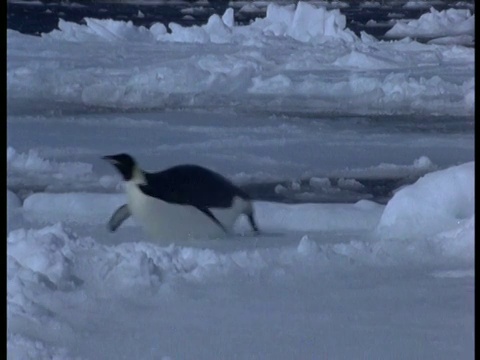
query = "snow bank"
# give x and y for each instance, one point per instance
(435, 215)
(429, 222)
(33, 162)
(31, 172)
(21, 347)
(438, 202)
(40, 264)
(390, 94)
(299, 58)
(14, 213)
(458, 242)
(100, 30)
(305, 23)
(450, 22)
(88, 208)
(45, 252)
(361, 216)
(13, 202)
(466, 40)
(215, 31)
(54, 275)
(91, 208)
(419, 167)
(66, 292)
(55, 257)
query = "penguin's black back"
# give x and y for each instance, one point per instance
(192, 185)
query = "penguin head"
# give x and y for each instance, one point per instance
(124, 163)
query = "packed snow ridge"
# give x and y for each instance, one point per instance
(456, 23)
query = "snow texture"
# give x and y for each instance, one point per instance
(449, 22)
(294, 102)
(294, 58)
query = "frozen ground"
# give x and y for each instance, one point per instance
(292, 61)
(312, 111)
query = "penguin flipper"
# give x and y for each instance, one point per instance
(118, 217)
(207, 212)
(253, 224)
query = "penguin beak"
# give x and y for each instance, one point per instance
(118, 161)
(110, 159)
(114, 161)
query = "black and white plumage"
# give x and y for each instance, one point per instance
(182, 201)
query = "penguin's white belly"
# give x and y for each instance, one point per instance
(161, 219)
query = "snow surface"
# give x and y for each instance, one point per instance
(273, 102)
(300, 59)
(62, 285)
(441, 205)
(434, 24)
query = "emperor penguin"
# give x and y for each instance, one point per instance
(184, 201)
